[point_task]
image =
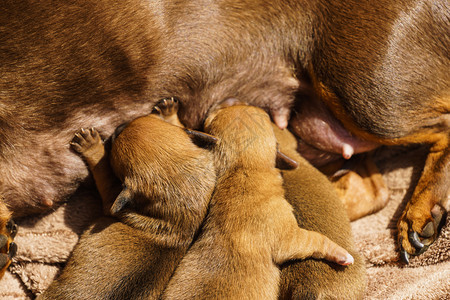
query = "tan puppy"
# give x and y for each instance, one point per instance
(317, 207)
(250, 228)
(167, 184)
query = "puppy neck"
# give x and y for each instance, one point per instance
(246, 138)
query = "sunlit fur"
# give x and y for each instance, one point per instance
(250, 228)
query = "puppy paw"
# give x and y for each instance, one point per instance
(87, 142)
(8, 248)
(417, 230)
(166, 107)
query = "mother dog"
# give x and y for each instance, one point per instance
(380, 68)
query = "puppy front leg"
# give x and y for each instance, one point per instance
(419, 224)
(298, 243)
(88, 143)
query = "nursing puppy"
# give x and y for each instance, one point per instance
(317, 207)
(167, 182)
(250, 228)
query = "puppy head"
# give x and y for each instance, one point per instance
(159, 164)
(245, 136)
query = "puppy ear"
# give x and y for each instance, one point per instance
(118, 130)
(201, 139)
(284, 162)
(125, 197)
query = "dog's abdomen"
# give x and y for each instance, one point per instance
(65, 66)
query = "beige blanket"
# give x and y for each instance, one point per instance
(45, 242)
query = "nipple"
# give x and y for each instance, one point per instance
(347, 151)
(280, 117)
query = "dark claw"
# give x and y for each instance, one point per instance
(428, 230)
(3, 240)
(12, 250)
(12, 228)
(414, 240)
(404, 256)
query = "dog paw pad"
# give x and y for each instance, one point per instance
(85, 140)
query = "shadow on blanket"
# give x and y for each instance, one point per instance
(46, 241)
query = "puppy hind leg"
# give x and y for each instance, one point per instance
(299, 243)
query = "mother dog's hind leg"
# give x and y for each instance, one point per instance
(8, 231)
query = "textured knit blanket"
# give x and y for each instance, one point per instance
(45, 242)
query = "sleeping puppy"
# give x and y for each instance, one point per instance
(167, 182)
(317, 207)
(250, 229)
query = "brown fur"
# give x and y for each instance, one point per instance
(317, 207)
(381, 67)
(167, 185)
(250, 228)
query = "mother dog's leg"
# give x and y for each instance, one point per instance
(388, 83)
(7, 232)
(419, 224)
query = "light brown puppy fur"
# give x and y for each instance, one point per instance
(167, 185)
(250, 228)
(317, 207)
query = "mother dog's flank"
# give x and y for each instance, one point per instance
(376, 70)
(250, 228)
